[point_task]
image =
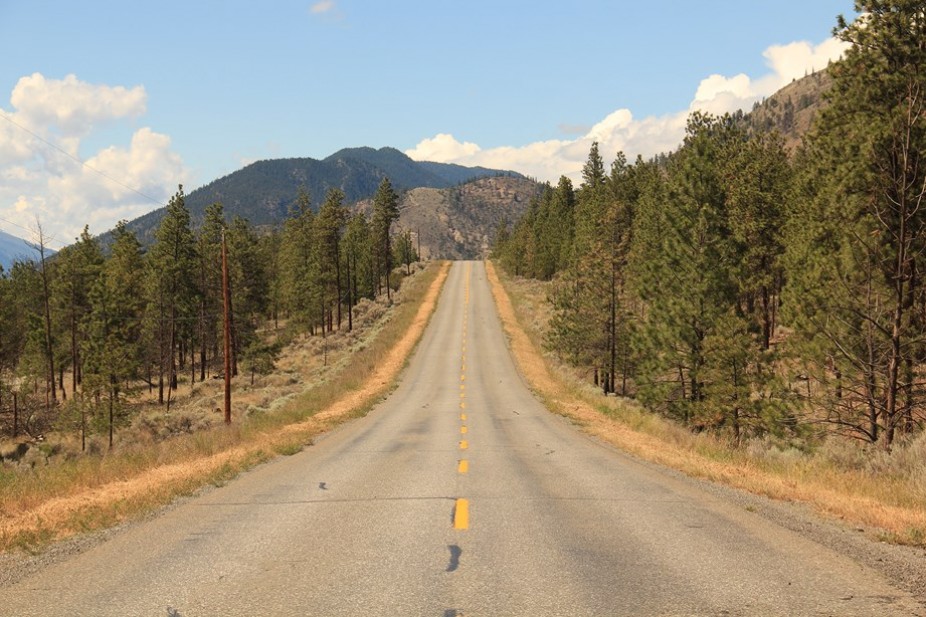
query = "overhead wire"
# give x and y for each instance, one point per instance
(76, 159)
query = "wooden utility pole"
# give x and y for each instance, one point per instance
(226, 295)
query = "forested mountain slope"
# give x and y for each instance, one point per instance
(263, 192)
(791, 110)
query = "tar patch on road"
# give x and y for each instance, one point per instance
(455, 552)
(453, 612)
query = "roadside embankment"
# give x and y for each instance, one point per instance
(59, 500)
(888, 504)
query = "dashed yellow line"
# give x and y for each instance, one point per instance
(464, 444)
(463, 430)
(463, 466)
(463, 417)
(461, 514)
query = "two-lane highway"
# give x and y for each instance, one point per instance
(459, 495)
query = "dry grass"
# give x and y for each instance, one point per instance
(882, 493)
(53, 501)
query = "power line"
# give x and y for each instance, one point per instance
(32, 231)
(80, 162)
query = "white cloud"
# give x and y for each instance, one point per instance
(620, 131)
(322, 7)
(72, 105)
(40, 181)
(441, 148)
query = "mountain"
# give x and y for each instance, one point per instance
(263, 191)
(460, 222)
(791, 110)
(13, 248)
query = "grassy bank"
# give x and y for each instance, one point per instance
(64, 497)
(883, 493)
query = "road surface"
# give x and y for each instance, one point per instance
(459, 495)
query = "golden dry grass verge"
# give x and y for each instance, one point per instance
(890, 508)
(143, 478)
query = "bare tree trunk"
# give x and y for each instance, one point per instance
(75, 355)
(172, 366)
(49, 344)
(112, 395)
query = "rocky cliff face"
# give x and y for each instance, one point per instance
(460, 222)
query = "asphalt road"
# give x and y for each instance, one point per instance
(459, 495)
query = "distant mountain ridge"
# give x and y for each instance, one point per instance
(263, 192)
(13, 248)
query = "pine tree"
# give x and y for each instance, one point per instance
(78, 266)
(209, 254)
(297, 258)
(114, 324)
(173, 292)
(358, 262)
(329, 225)
(856, 241)
(385, 213)
(248, 281)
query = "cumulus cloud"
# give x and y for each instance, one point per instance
(40, 181)
(73, 106)
(647, 136)
(442, 147)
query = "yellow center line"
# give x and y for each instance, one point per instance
(463, 466)
(461, 514)
(463, 430)
(463, 417)
(464, 444)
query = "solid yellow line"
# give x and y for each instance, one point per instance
(463, 467)
(463, 430)
(461, 514)
(464, 444)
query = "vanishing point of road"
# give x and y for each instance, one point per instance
(459, 495)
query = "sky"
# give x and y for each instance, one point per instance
(106, 106)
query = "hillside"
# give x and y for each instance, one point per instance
(792, 109)
(12, 248)
(263, 191)
(459, 222)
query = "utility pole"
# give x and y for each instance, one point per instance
(226, 296)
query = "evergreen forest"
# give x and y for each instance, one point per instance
(82, 331)
(746, 289)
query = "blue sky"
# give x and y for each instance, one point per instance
(157, 93)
